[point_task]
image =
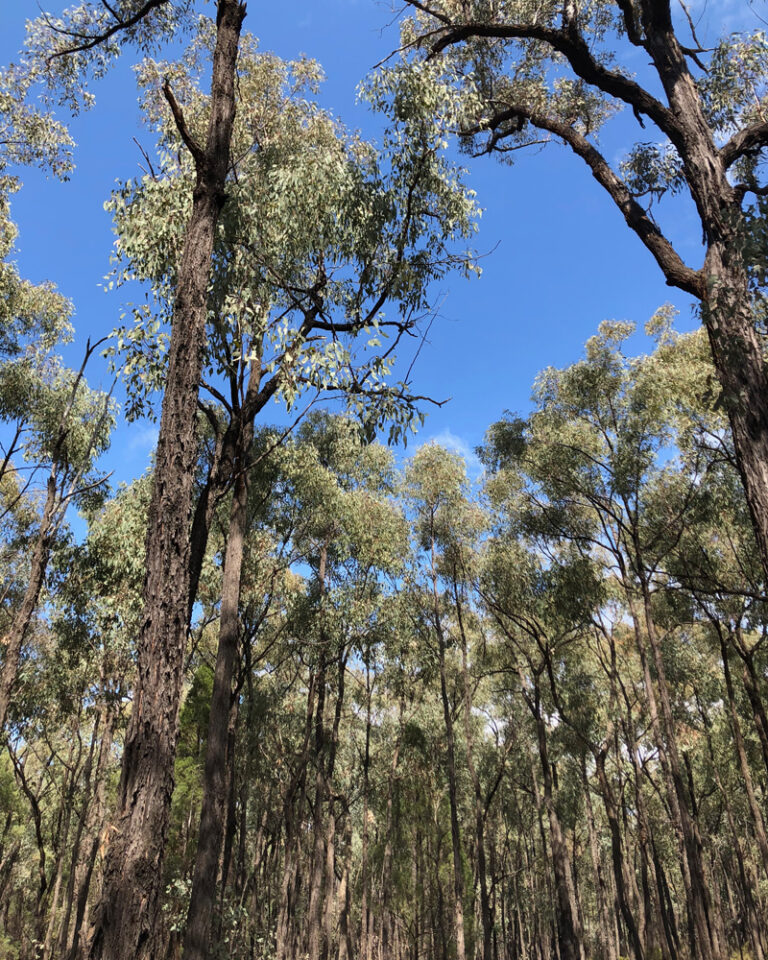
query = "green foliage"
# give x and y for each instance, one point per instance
(66, 52)
(378, 610)
(320, 232)
(382, 587)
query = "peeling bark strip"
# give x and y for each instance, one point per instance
(125, 920)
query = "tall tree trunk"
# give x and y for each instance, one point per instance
(230, 823)
(700, 902)
(365, 919)
(94, 825)
(604, 935)
(663, 725)
(213, 813)
(570, 943)
(722, 286)
(752, 687)
(738, 355)
(665, 900)
(385, 890)
(125, 922)
(69, 898)
(568, 929)
(292, 817)
(346, 949)
(314, 919)
(450, 740)
(482, 874)
(317, 884)
(59, 843)
(329, 885)
(751, 910)
(757, 814)
(654, 923)
(329, 919)
(458, 869)
(617, 857)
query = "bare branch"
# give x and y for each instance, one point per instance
(198, 154)
(151, 170)
(753, 137)
(676, 272)
(437, 14)
(691, 52)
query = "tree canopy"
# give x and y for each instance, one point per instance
(295, 693)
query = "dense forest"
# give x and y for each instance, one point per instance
(299, 692)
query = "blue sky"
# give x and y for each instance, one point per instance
(559, 257)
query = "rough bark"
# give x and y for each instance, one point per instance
(737, 353)
(215, 780)
(125, 921)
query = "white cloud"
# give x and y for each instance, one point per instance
(143, 438)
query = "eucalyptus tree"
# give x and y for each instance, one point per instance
(97, 612)
(540, 603)
(319, 234)
(56, 425)
(68, 427)
(437, 488)
(320, 504)
(524, 72)
(598, 454)
(353, 536)
(74, 47)
(45, 406)
(401, 755)
(245, 610)
(68, 713)
(716, 564)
